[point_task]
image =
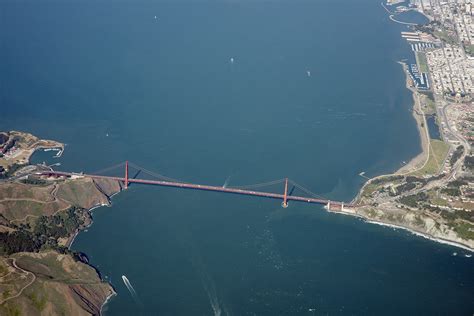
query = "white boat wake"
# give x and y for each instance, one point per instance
(213, 300)
(226, 182)
(217, 304)
(131, 289)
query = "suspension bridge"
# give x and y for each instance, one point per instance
(248, 190)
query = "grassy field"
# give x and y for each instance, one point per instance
(438, 201)
(444, 36)
(422, 62)
(372, 187)
(18, 200)
(57, 267)
(469, 49)
(465, 230)
(438, 152)
(12, 280)
(51, 292)
(81, 192)
(23, 191)
(369, 189)
(18, 210)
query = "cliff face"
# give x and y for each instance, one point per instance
(87, 193)
(90, 298)
(423, 222)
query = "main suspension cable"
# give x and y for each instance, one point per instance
(109, 168)
(155, 174)
(306, 190)
(258, 185)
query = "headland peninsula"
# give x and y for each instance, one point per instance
(432, 195)
(39, 219)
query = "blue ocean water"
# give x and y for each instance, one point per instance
(313, 93)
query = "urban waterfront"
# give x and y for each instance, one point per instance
(215, 92)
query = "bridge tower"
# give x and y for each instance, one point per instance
(285, 195)
(126, 174)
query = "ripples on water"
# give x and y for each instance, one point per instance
(168, 98)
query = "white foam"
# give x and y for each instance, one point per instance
(107, 300)
(130, 288)
(439, 240)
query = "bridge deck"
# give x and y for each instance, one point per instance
(207, 188)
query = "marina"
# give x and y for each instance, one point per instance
(219, 94)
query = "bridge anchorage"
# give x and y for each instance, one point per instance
(248, 190)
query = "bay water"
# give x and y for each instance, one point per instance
(239, 92)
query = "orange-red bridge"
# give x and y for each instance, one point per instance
(284, 197)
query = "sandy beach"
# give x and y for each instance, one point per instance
(416, 163)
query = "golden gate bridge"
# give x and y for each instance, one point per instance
(248, 190)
